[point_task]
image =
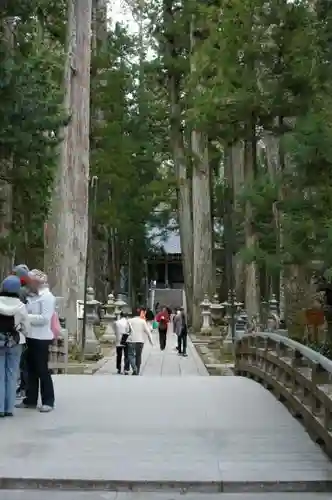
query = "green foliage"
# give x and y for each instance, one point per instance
(127, 147)
(308, 218)
(31, 117)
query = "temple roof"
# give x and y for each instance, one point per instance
(168, 241)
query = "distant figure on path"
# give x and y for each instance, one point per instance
(14, 326)
(139, 332)
(41, 307)
(163, 319)
(122, 328)
(182, 332)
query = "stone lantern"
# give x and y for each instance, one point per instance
(109, 319)
(273, 305)
(273, 320)
(206, 315)
(92, 345)
(216, 309)
(241, 325)
(232, 309)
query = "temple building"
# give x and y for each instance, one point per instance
(165, 273)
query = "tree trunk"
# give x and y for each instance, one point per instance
(179, 159)
(251, 272)
(202, 247)
(185, 219)
(68, 225)
(237, 159)
(299, 294)
(6, 164)
(275, 165)
(201, 210)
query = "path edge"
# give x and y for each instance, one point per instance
(33, 484)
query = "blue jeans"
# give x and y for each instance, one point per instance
(9, 371)
(135, 356)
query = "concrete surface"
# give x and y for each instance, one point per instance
(161, 432)
(160, 429)
(163, 363)
(93, 495)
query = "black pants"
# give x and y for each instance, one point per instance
(162, 338)
(38, 373)
(122, 351)
(23, 371)
(135, 356)
(182, 343)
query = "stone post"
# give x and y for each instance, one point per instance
(206, 315)
(70, 339)
(92, 346)
(216, 315)
(273, 320)
(241, 325)
(232, 308)
(216, 310)
(273, 303)
(109, 319)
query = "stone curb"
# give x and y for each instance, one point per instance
(173, 486)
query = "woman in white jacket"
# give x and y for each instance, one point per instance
(41, 307)
(14, 325)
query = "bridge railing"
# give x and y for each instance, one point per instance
(298, 376)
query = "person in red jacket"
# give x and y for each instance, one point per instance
(162, 319)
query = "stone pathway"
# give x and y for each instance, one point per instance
(163, 363)
(97, 495)
(169, 431)
(153, 433)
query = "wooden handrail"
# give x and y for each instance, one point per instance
(298, 376)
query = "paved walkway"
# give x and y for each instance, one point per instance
(161, 432)
(93, 495)
(163, 363)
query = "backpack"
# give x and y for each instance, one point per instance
(55, 325)
(9, 334)
(162, 325)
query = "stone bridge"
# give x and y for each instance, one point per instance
(176, 432)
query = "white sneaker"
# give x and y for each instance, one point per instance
(45, 409)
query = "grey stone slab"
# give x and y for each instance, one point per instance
(163, 363)
(103, 495)
(164, 429)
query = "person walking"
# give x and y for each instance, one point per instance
(162, 319)
(122, 328)
(182, 332)
(139, 331)
(41, 308)
(14, 327)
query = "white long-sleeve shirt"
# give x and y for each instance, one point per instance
(41, 308)
(121, 328)
(139, 330)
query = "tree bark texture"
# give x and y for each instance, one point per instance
(251, 272)
(68, 225)
(237, 160)
(180, 159)
(202, 227)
